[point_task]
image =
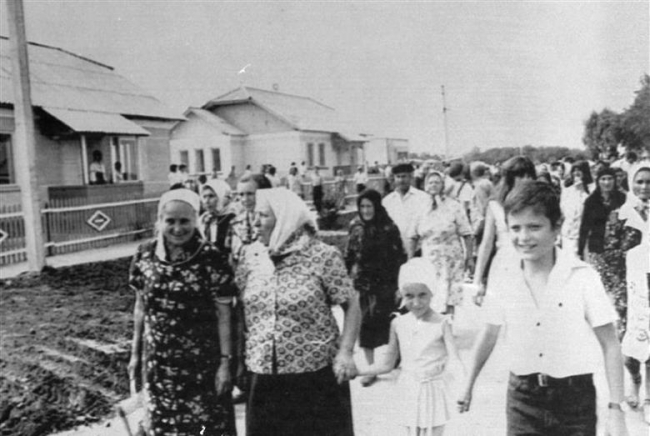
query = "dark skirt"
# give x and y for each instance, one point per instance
(375, 318)
(310, 403)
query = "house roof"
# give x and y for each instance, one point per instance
(63, 80)
(213, 120)
(302, 113)
(96, 122)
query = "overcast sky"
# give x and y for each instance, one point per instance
(515, 73)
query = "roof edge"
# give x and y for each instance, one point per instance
(37, 44)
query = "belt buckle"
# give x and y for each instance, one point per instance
(542, 380)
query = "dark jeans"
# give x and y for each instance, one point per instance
(533, 410)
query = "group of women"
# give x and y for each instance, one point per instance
(282, 282)
(187, 289)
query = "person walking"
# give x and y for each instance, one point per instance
(181, 346)
(373, 257)
(572, 204)
(317, 190)
(447, 241)
(423, 341)
(300, 363)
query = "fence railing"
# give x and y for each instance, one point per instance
(71, 224)
(70, 227)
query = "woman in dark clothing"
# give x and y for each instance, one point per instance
(373, 258)
(604, 249)
(214, 224)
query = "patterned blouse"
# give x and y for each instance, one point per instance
(287, 306)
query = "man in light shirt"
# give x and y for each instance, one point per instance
(405, 204)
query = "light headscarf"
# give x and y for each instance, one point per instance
(291, 214)
(632, 203)
(222, 190)
(186, 196)
(421, 270)
(438, 198)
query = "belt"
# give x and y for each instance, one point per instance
(545, 380)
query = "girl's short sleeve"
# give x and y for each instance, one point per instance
(334, 276)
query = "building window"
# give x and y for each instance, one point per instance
(200, 161)
(216, 159)
(185, 158)
(310, 154)
(6, 160)
(321, 154)
(125, 151)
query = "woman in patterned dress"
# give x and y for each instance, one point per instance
(181, 339)
(299, 361)
(447, 241)
(373, 258)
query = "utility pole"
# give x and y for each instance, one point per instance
(444, 117)
(24, 144)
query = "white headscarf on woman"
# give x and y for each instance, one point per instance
(629, 210)
(186, 196)
(290, 211)
(222, 190)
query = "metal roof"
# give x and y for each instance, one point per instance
(96, 122)
(61, 79)
(302, 113)
(215, 121)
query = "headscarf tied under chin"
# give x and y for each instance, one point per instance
(222, 190)
(436, 199)
(630, 210)
(291, 214)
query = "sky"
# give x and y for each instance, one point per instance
(514, 72)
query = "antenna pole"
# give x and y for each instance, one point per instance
(444, 117)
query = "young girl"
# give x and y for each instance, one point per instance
(423, 340)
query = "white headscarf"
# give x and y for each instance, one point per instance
(421, 270)
(291, 213)
(186, 196)
(632, 202)
(222, 190)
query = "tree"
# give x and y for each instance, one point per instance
(635, 121)
(602, 132)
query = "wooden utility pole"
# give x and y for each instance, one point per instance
(444, 117)
(23, 140)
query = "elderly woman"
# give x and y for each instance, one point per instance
(373, 257)
(214, 224)
(297, 358)
(184, 288)
(447, 240)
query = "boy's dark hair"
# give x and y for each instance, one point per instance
(173, 168)
(540, 196)
(182, 167)
(202, 179)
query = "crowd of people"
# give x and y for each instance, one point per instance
(237, 290)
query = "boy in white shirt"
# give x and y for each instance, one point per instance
(551, 304)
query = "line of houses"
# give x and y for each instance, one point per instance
(82, 106)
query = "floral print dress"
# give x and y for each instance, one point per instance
(181, 352)
(440, 231)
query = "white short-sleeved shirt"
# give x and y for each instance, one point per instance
(405, 209)
(553, 338)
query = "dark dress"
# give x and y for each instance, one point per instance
(181, 352)
(373, 258)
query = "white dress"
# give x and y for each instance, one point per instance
(423, 391)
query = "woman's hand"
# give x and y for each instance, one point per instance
(480, 295)
(344, 367)
(470, 264)
(465, 401)
(223, 380)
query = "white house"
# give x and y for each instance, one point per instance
(250, 126)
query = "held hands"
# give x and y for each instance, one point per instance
(616, 423)
(344, 367)
(223, 380)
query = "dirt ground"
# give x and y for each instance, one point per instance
(64, 347)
